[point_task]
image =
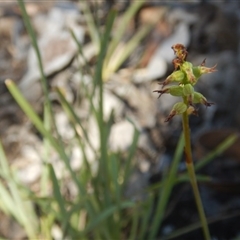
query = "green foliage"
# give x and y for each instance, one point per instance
(100, 210)
(12, 198)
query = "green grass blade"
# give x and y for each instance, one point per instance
(80, 51)
(31, 114)
(145, 216)
(132, 10)
(114, 171)
(12, 202)
(221, 148)
(58, 196)
(93, 30)
(116, 194)
(104, 46)
(165, 192)
(106, 214)
(197, 225)
(103, 174)
(135, 222)
(32, 35)
(6, 201)
(131, 153)
(47, 147)
(118, 58)
(73, 117)
(44, 82)
(183, 230)
(23, 211)
(27, 108)
(3, 162)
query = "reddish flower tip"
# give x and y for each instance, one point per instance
(208, 104)
(203, 62)
(161, 92)
(180, 51)
(170, 116)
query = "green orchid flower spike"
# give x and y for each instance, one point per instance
(185, 76)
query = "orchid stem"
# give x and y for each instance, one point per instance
(191, 173)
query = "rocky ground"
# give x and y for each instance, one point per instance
(209, 30)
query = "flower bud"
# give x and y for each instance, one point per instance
(196, 72)
(187, 68)
(187, 65)
(199, 98)
(188, 89)
(176, 76)
(200, 70)
(176, 91)
(207, 70)
(177, 109)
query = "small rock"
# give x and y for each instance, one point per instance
(76, 158)
(57, 49)
(121, 136)
(30, 174)
(112, 103)
(63, 126)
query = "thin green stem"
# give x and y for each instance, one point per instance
(191, 172)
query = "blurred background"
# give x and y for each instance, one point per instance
(139, 56)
